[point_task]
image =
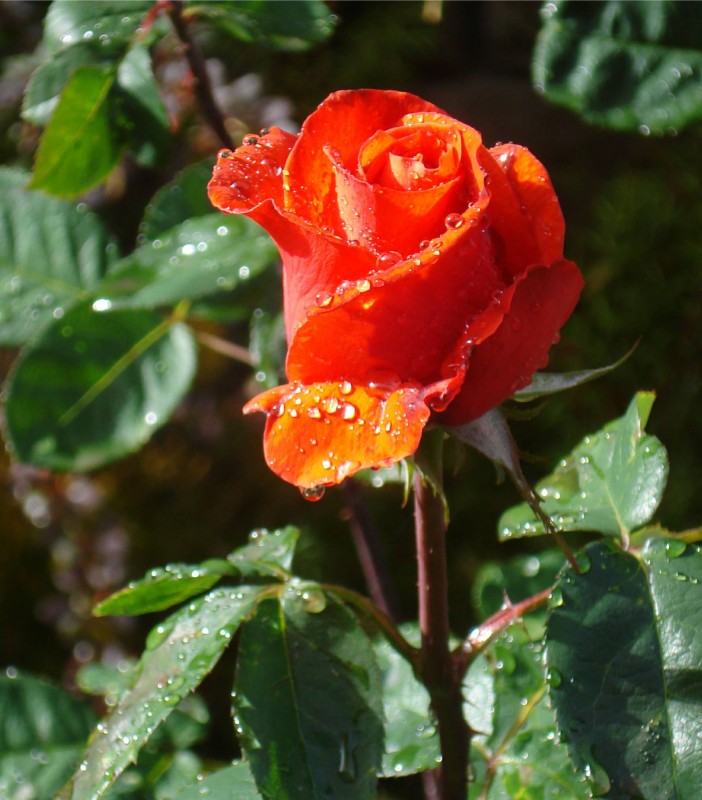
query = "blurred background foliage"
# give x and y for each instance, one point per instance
(634, 217)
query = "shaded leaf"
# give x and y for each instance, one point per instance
(81, 144)
(143, 115)
(546, 383)
(51, 256)
(201, 256)
(308, 699)
(295, 25)
(624, 64)
(163, 587)
(411, 739)
(42, 734)
(235, 780)
(611, 483)
(268, 553)
(624, 656)
(179, 653)
(519, 755)
(95, 386)
(183, 198)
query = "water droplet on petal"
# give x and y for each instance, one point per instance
(313, 494)
(453, 221)
(323, 299)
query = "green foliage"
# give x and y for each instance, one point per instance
(295, 25)
(95, 385)
(232, 781)
(611, 483)
(624, 664)
(179, 653)
(307, 698)
(42, 732)
(626, 64)
(52, 255)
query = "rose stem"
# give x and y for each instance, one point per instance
(201, 80)
(438, 671)
(365, 539)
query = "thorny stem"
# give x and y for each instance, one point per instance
(481, 636)
(365, 539)
(437, 667)
(201, 80)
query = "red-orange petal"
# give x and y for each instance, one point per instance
(540, 304)
(319, 434)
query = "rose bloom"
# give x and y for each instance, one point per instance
(423, 276)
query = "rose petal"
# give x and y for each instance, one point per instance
(406, 320)
(392, 219)
(540, 303)
(525, 217)
(252, 174)
(348, 119)
(318, 434)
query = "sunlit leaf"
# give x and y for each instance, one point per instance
(308, 699)
(624, 657)
(95, 386)
(268, 553)
(611, 483)
(201, 256)
(42, 734)
(81, 144)
(163, 587)
(294, 25)
(52, 255)
(626, 64)
(179, 653)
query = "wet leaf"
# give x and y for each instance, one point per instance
(519, 753)
(307, 702)
(295, 25)
(624, 656)
(626, 65)
(268, 553)
(109, 23)
(95, 386)
(52, 255)
(179, 653)
(201, 256)
(611, 483)
(163, 587)
(235, 780)
(411, 739)
(42, 734)
(81, 144)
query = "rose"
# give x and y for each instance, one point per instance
(423, 275)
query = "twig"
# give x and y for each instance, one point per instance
(201, 79)
(225, 348)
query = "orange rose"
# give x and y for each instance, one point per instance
(423, 276)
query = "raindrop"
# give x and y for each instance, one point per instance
(323, 299)
(454, 221)
(313, 493)
(386, 260)
(103, 304)
(349, 411)
(151, 418)
(345, 387)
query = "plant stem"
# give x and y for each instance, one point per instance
(225, 348)
(201, 80)
(366, 540)
(437, 668)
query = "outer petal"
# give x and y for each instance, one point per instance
(317, 435)
(541, 303)
(525, 216)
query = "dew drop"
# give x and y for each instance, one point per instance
(323, 299)
(386, 260)
(349, 411)
(453, 221)
(314, 412)
(313, 494)
(345, 387)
